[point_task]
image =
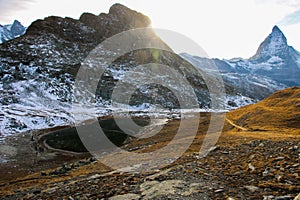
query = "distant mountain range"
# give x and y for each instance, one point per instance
(11, 31)
(38, 70)
(275, 66)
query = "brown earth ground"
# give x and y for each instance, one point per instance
(244, 164)
(257, 156)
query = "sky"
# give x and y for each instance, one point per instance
(224, 29)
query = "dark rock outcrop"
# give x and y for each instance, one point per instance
(119, 18)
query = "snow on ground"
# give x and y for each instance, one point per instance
(41, 112)
(234, 102)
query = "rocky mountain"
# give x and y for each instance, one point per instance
(274, 66)
(11, 31)
(277, 60)
(120, 18)
(38, 71)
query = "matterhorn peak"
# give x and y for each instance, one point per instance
(277, 35)
(274, 45)
(276, 29)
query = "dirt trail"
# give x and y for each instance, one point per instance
(235, 125)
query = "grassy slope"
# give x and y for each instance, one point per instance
(279, 111)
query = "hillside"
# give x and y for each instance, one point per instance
(38, 70)
(278, 111)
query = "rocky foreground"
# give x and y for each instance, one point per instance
(244, 164)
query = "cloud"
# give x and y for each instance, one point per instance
(14, 4)
(10, 7)
(291, 19)
(291, 3)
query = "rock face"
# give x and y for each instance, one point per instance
(274, 45)
(11, 31)
(64, 28)
(119, 18)
(37, 70)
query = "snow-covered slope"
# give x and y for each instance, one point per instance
(37, 71)
(11, 31)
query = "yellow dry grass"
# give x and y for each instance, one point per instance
(275, 113)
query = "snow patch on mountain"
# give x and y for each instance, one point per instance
(235, 63)
(237, 101)
(275, 60)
